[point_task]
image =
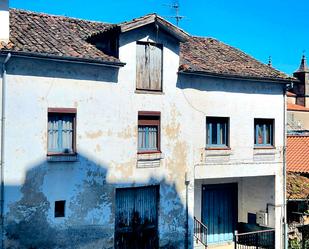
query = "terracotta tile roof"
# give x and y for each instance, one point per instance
(290, 94)
(54, 35)
(51, 35)
(212, 56)
(297, 153)
(294, 107)
(297, 186)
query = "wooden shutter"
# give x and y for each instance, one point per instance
(149, 66)
(142, 66)
(155, 67)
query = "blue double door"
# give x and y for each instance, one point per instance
(219, 211)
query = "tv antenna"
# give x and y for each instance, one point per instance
(175, 6)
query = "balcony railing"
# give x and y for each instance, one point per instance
(264, 239)
(200, 232)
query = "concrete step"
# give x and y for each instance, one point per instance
(229, 245)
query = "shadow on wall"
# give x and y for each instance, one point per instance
(91, 205)
(204, 83)
(72, 71)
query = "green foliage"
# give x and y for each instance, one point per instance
(295, 244)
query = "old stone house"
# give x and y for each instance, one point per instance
(135, 135)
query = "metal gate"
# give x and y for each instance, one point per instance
(136, 224)
(263, 239)
(219, 211)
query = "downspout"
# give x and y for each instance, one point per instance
(2, 146)
(187, 182)
(284, 220)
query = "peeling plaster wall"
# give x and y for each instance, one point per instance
(107, 111)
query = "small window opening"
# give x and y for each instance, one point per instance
(252, 218)
(59, 209)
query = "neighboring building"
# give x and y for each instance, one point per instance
(298, 101)
(298, 186)
(117, 136)
(297, 155)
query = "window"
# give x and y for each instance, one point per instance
(61, 130)
(263, 130)
(59, 209)
(251, 218)
(148, 132)
(148, 66)
(217, 130)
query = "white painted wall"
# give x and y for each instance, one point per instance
(107, 108)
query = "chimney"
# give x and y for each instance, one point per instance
(4, 21)
(302, 89)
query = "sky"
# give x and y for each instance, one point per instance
(261, 28)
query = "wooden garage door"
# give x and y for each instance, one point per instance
(137, 218)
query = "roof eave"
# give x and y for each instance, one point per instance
(238, 77)
(168, 27)
(71, 59)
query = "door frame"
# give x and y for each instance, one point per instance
(234, 186)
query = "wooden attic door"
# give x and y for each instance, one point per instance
(136, 224)
(149, 66)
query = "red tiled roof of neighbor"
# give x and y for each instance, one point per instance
(50, 35)
(294, 107)
(297, 153)
(290, 94)
(297, 186)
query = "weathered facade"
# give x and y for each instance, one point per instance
(109, 188)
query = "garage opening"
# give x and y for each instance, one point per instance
(136, 224)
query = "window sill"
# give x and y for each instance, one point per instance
(62, 157)
(217, 148)
(148, 152)
(61, 154)
(264, 147)
(149, 92)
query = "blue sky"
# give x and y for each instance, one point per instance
(261, 28)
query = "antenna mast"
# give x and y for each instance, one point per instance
(176, 7)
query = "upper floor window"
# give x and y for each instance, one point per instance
(61, 130)
(217, 129)
(263, 132)
(149, 66)
(148, 132)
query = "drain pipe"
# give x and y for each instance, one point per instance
(285, 226)
(2, 146)
(187, 182)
